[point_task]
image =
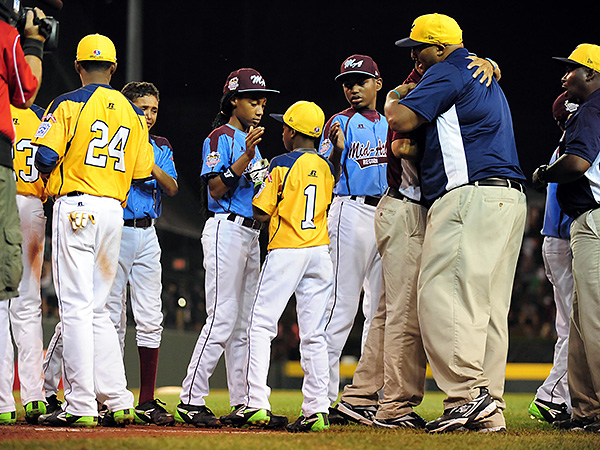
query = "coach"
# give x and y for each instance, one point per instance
(470, 175)
(577, 173)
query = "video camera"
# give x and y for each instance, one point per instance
(14, 14)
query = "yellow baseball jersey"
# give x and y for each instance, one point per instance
(296, 194)
(98, 140)
(26, 123)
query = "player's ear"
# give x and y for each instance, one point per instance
(378, 84)
(113, 68)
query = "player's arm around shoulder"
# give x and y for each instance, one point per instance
(164, 168)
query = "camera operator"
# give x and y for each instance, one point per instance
(20, 79)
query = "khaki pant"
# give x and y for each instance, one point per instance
(584, 335)
(470, 252)
(393, 356)
(11, 263)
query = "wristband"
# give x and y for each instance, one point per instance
(493, 63)
(230, 178)
(397, 93)
(33, 47)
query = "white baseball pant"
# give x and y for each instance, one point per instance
(308, 273)
(7, 364)
(558, 261)
(84, 263)
(26, 310)
(356, 266)
(232, 265)
(139, 265)
(53, 362)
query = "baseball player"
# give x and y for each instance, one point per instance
(552, 401)
(26, 309)
(21, 68)
(294, 198)
(230, 245)
(354, 140)
(92, 143)
(139, 259)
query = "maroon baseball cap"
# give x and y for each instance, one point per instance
(360, 64)
(246, 80)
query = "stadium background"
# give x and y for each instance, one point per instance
(188, 48)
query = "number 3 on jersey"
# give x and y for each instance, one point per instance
(310, 192)
(115, 149)
(33, 175)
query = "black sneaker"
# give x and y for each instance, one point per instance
(358, 414)
(593, 427)
(226, 419)
(61, 418)
(316, 422)
(53, 404)
(254, 417)
(335, 418)
(410, 420)
(153, 412)
(547, 411)
(463, 415)
(199, 416)
(572, 424)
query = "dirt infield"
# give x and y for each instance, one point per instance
(35, 432)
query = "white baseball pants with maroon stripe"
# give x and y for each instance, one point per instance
(232, 266)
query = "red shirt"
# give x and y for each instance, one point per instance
(17, 82)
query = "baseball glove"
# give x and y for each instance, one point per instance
(258, 171)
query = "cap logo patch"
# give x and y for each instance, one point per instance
(353, 63)
(257, 79)
(97, 52)
(234, 83)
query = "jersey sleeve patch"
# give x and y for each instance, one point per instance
(212, 159)
(43, 129)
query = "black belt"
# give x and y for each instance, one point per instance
(501, 182)
(395, 193)
(244, 221)
(144, 222)
(369, 200)
(75, 194)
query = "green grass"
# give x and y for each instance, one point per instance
(523, 433)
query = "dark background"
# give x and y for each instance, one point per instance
(190, 47)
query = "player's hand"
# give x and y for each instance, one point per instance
(399, 92)
(33, 31)
(539, 184)
(252, 139)
(484, 68)
(336, 137)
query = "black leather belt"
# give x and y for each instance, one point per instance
(243, 221)
(501, 182)
(369, 199)
(144, 222)
(75, 194)
(395, 193)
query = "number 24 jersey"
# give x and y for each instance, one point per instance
(101, 140)
(297, 193)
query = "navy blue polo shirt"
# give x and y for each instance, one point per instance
(582, 138)
(469, 136)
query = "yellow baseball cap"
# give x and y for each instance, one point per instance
(96, 47)
(587, 55)
(306, 117)
(433, 29)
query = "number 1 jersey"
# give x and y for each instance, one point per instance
(101, 142)
(297, 193)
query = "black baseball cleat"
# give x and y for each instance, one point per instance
(358, 414)
(410, 420)
(198, 415)
(61, 418)
(316, 422)
(153, 412)
(254, 417)
(463, 415)
(578, 424)
(335, 418)
(52, 404)
(545, 411)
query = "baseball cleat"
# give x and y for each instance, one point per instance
(199, 416)
(335, 418)
(316, 422)
(463, 415)
(153, 412)
(53, 404)
(410, 420)
(578, 424)
(254, 417)
(33, 410)
(8, 418)
(359, 414)
(119, 418)
(549, 412)
(64, 419)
